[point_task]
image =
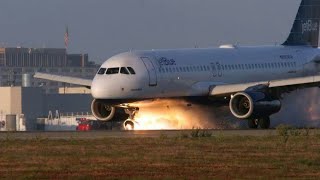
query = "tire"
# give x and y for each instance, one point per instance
(128, 125)
(253, 123)
(264, 123)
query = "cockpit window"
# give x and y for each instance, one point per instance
(102, 71)
(124, 70)
(113, 71)
(131, 70)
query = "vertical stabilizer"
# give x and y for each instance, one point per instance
(305, 29)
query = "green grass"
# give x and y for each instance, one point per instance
(182, 157)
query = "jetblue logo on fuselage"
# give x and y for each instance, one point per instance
(163, 61)
(309, 26)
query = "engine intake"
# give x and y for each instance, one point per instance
(102, 111)
(247, 105)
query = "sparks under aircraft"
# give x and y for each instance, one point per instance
(251, 80)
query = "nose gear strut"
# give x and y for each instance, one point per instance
(132, 111)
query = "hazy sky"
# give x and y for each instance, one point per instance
(103, 28)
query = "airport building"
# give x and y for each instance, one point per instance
(32, 103)
(27, 99)
(20, 63)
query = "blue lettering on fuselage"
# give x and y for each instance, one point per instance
(163, 61)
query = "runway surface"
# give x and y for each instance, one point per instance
(132, 134)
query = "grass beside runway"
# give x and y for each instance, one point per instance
(290, 154)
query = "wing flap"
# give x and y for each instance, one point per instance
(65, 79)
(308, 81)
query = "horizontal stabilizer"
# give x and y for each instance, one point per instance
(65, 79)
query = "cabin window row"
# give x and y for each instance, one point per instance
(255, 66)
(184, 69)
(215, 67)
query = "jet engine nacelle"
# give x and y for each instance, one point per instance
(248, 105)
(102, 111)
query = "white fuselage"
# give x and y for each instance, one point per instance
(191, 72)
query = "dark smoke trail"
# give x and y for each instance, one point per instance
(299, 109)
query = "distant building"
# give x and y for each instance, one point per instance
(32, 103)
(14, 62)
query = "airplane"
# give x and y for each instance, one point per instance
(250, 80)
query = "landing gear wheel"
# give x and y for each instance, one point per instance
(253, 123)
(128, 125)
(264, 123)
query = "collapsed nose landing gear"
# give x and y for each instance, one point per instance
(132, 111)
(130, 122)
(263, 122)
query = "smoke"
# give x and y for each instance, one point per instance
(175, 114)
(299, 109)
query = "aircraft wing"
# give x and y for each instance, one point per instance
(65, 79)
(293, 83)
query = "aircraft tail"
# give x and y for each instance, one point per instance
(305, 29)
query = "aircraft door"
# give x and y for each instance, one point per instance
(151, 71)
(219, 69)
(216, 69)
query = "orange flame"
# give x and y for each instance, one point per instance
(173, 114)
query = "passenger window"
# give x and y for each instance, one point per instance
(113, 71)
(131, 70)
(124, 70)
(102, 71)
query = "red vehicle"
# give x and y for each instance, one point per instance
(88, 125)
(84, 126)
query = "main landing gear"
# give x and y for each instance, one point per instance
(263, 122)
